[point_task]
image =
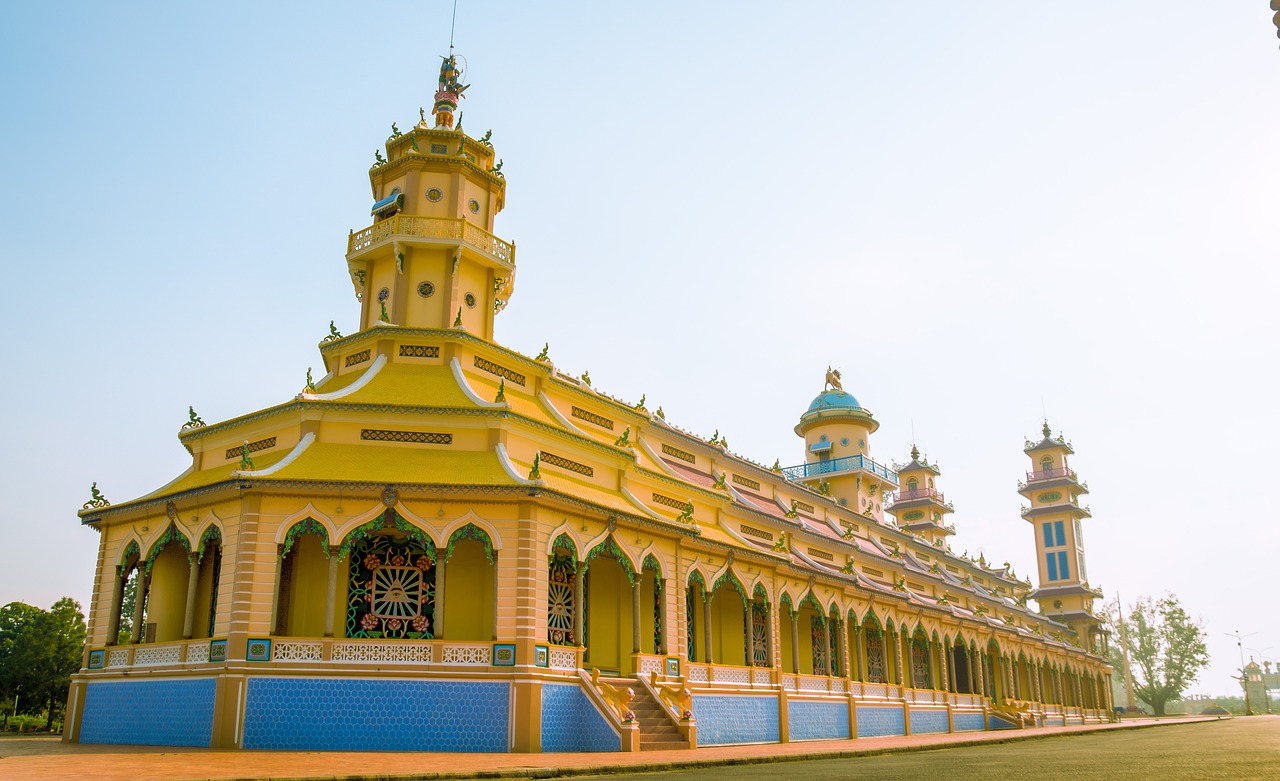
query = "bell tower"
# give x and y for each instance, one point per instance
(1055, 514)
(430, 258)
(920, 507)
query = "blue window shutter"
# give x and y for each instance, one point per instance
(1057, 527)
(1048, 535)
(1063, 570)
(1052, 561)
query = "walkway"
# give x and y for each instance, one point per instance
(46, 758)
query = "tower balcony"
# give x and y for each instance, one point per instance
(840, 466)
(920, 496)
(1052, 478)
(445, 230)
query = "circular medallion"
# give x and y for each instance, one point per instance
(383, 294)
(474, 206)
(390, 496)
(434, 194)
(426, 289)
(1049, 496)
(1057, 604)
(471, 300)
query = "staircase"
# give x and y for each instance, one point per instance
(657, 733)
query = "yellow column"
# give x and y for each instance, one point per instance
(706, 626)
(193, 580)
(578, 617)
(331, 590)
(437, 619)
(113, 617)
(635, 615)
(795, 642)
(139, 602)
(275, 589)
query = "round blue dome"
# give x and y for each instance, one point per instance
(834, 399)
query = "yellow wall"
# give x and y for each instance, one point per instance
(468, 593)
(168, 602)
(609, 640)
(727, 627)
(204, 591)
(806, 639)
(309, 586)
(788, 662)
(646, 614)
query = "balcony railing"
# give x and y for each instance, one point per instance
(832, 465)
(919, 493)
(433, 228)
(1051, 474)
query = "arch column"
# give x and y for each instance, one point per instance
(437, 613)
(578, 617)
(275, 588)
(139, 605)
(113, 618)
(750, 633)
(331, 590)
(771, 638)
(707, 655)
(795, 642)
(193, 580)
(944, 669)
(635, 613)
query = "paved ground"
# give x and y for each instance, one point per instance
(1178, 749)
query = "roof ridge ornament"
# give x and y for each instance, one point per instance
(449, 89)
(832, 381)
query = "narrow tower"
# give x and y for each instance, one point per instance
(1055, 512)
(837, 444)
(430, 259)
(920, 507)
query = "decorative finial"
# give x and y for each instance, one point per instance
(662, 414)
(1047, 432)
(422, 116)
(448, 91)
(687, 515)
(334, 335)
(640, 404)
(915, 453)
(488, 134)
(96, 499)
(586, 377)
(715, 438)
(457, 321)
(833, 380)
(625, 439)
(536, 472)
(462, 148)
(193, 420)
(378, 158)
(246, 463)
(311, 385)
(542, 356)
(719, 482)
(497, 169)
(384, 317)
(413, 143)
(395, 131)
(502, 391)
(777, 465)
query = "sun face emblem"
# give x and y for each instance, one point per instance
(396, 592)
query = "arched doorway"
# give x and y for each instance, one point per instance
(167, 571)
(209, 571)
(303, 590)
(874, 641)
(470, 575)
(961, 671)
(607, 587)
(727, 613)
(921, 667)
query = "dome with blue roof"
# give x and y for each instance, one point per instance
(833, 400)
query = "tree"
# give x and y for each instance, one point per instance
(39, 651)
(1166, 648)
(16, 618)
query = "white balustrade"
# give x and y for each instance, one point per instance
(156, 655)
(198, 652)
(875, 690)
(731, 676)
(788, 681)
(118, 657)
(387, 652)
(471, 655)
(697, 673)
(297, 650)
(563, 659)
(760, 677)
(838, 685)
(649, 664)
(813, 684)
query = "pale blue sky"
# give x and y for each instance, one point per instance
(967, 207)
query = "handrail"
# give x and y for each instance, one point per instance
(831, 465)
(436, 228)
(619, 700)
(1050, 474)
(675, 698)
(919, 493)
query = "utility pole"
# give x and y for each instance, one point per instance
(1130, 702)
(1244, 678)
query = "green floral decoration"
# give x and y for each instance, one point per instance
(624, 440)
(542, 356)
(96, 499)
(378, 159)
(720, 481)
(457, 321)
(687, 515)
(384, 317)
(305, 526)
(386, 521)
(311, 384)
(777, 465)
(781, 545)
(170, 535)
(586, 377)
(470, 532)
(661, 414)
(211, 535)
(640, 404)
(731, 579)
(564, 542)
(131, 553)
(334, 335)
(536, 472)
(502, 391)
(610, 546)
(246, 463)
(193, 420)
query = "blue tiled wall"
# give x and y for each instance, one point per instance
(874, 721)
(157, 713)
(1058, 722)
(340, 714)
(968, 722)
(816, 720)
(995, 723)
(926, 721)
(570, 722)
(725, 719)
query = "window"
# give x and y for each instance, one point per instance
(912, 484)
(1053, 534)
(1057, 532)
(1057, 565)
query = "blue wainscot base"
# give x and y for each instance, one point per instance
(173, 712)
(728, 719)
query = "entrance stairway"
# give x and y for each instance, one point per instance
(657, 732)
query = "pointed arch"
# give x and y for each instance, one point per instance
(759, 592)
(785, 601)
(308, 513)
(169, 536)
(469, 518)
(728, 576)
(611, 546)
(696, 576)
(470, 531)
(201, 527)
(562, 541)
(651, 562)
(212, 534)
(132, 552)
(389, 520)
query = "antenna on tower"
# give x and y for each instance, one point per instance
(453, 23)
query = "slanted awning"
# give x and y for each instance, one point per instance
(820, 447)
(388, 206)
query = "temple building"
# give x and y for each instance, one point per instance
(441, 544)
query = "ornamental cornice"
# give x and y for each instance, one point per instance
(404, 161)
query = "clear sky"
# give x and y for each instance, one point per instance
(980, 212)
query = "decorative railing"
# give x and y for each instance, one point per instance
(433, 228)
(155, 655)
(843, 464)
(919, 493)
(1050, 474)
(729, 675)
(383, 652)
(469, 654)
(563, 658)
(297, 651)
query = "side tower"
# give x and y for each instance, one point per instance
(1055, 512)
(920, 507)
(430, 259)
(837, 445)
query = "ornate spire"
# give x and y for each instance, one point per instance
(915, 452)
(1048, 433)
(449, 91)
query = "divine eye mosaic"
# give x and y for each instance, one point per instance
(818, 634)
(560, 599)
(391, 589)
(759, 634)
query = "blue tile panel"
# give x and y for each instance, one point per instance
(727, 719)
(155, 713)
(968, 722)
(994, 722)
(571, 722)
(926, 721)
(815, 720)
(340, 714)
(1058, 722)
(874, 721)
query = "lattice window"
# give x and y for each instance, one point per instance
(467, 654)
(760, 634)
(678, 453)
(391, 589)
(252, 447)
(818, 632)
(873, 640)
(919, 663)
(560, 599)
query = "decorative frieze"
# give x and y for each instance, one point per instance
(253, 447)
(419, 351)
(416, 437)
(669, 502)
(805, 507)
(355, 359)
(821, 554)
(746, 482)
(591, 417)
(680, 454)
(564, 463)
(759, 534)
(500, 371)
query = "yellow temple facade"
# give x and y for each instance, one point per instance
(442, 544)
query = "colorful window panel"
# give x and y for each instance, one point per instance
(873, 642)
(919, 663)
(690, 607)
(818, 634)
(391, 589)
(759, 634)
(560, 599)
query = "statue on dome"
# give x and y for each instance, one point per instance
(833, 380)
(448, 91)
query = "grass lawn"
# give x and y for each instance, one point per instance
(1235, 749)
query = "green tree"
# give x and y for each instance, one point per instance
(16, 678)
(1166, 648)
(39, 651)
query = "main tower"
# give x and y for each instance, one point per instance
(430, 259)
